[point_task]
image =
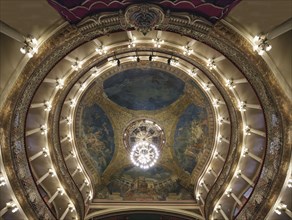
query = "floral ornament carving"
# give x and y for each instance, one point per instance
(144, 17)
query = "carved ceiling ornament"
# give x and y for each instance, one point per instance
(144, 17)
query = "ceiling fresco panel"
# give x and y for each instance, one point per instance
(143, 89)
(190, 136)
(96, 136)
(135, 184)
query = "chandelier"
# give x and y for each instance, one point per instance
(143, 139)
(144, 155)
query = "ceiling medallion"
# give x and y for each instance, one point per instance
(144, 139)
(144, 17)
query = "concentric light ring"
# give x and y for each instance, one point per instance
(144, 155)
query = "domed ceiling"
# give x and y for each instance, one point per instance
(145, 110)
(111, 104)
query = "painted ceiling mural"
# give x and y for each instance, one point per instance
(190, 136)
(136, 184)
(143, 89)
(75, 10)
(96, 137)
(136, 91)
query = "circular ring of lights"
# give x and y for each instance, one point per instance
(143, 130)
(144, 155)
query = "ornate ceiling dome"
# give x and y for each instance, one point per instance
(171, 93)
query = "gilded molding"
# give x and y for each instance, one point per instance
(143, 17)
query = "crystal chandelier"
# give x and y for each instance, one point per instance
(144, 139)
(144, 155)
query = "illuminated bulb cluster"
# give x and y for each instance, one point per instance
(114, 62)
(242, 106)
(45, 152)
(206, 86)
(216, 103)
(281, 207)
(77, 65)
(247, 130)
(89, 195)
(60, 191)
(244, 152)
(218, 208)
(230, 84)
(216, 154)
(48, 106)
(72, 103)
(135, 59)
(238, 173)
(79, 169)
(86, 182)
(198, 196)
(187, 50)
(71, 207)
(228, 192)
(132, 42)
(144, 155)
(261, 44)
(220, 120)
(173, 62)
(2, 181)
(72, 153)
(52, 172)
(82, 87)
(60, 84)
(101, 50)
(95, 72)
(153, 58)
(11, 205)
(157, 42)
(30, 46)
(69, 138)
(44, 129)
(211, 64)
(193, 72)
(220, 138)
(69, 120)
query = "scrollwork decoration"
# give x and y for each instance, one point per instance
(144, 17)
